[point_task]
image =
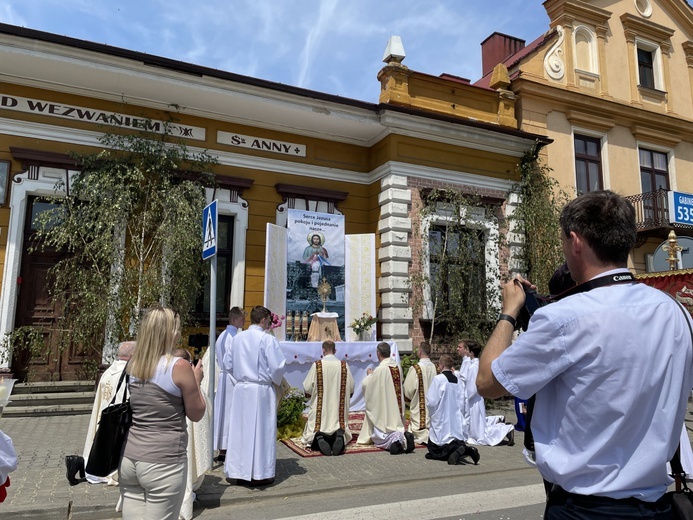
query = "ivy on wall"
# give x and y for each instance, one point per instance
(536, 217)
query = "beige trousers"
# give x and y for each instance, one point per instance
(152, 491)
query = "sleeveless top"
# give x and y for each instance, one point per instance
(159, 432)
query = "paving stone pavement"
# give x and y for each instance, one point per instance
(39, 488)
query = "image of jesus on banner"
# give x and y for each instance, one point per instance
(316, 256)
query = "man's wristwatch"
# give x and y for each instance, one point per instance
(508, 318)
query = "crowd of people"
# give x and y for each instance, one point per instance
(606, 369)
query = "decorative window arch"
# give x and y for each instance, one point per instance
(585, 44)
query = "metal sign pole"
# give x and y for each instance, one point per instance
(209, 251)
(212, 349)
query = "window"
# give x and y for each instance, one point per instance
(224, 270)
(457, 269)
(654, 176)
(646, 68)
(588, 164)
(654, 173)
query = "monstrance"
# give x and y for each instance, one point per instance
(324, 290)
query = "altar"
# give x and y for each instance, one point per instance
(359, 355)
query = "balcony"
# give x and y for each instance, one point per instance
(652, 216)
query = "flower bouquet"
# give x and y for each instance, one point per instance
(362, 325)
(275, 322)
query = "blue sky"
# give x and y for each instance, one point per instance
(332, 46)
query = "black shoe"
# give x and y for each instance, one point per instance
(396, 448)
(338, 447)
(472, 452)
(456, 456)
(74, 465)
(409, 436)
(511, 438)
(262, 482)
(324, 447)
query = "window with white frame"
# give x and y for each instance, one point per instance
(588, 163)
(654, 179)
(649, 60)
(460, 260)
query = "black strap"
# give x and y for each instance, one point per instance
(124, 376)
(595, 283)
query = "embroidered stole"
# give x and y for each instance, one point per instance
(422, 398)
(342, 395)
(397, 382)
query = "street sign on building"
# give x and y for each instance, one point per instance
(680, 208)
(209, 231)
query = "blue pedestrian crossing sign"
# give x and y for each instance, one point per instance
(209, 231)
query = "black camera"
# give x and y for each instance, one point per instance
(533, 301)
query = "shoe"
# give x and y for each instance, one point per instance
(222, 456)
(511, 438)
(473, 453)
(74, 465)
(324, 447)
(456, 456)
(396, 448)
(338, 446)
(409, 436)
(262, 482)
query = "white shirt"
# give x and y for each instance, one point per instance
(611, 368)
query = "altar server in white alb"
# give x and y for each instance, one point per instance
(448, 426)
(256, 363)
(383, 424)
(104, 393)
(224, 390)
(416, 384)
(485, 431)
(329, 385)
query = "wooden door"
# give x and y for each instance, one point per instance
(35, 308)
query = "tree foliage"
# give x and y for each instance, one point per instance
(129, 226)
(453, 287)
(536, 217)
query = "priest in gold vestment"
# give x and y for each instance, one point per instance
(384, 421)
(329, 385)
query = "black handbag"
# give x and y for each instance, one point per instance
(109, 440)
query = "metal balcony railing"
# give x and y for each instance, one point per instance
(652, 215)
(651, 210)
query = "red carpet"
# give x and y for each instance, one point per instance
(355, 422)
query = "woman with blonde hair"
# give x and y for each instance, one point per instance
(164, 390)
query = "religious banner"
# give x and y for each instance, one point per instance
(275, 275)
(360, 289)
(315, 254)
(678, 283)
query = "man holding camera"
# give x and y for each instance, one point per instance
(610, 363)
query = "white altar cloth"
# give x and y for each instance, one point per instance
(300, 355)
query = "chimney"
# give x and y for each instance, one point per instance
(497, 48)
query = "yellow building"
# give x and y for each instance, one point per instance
(611, 83)
(277, 147)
